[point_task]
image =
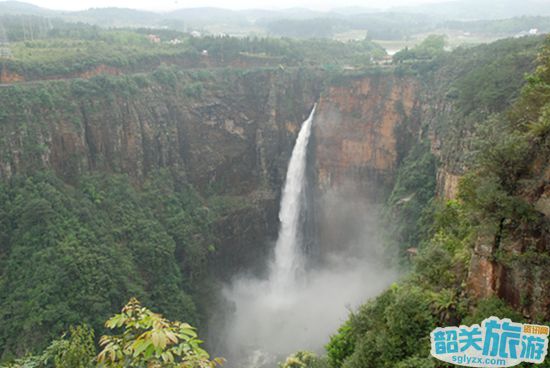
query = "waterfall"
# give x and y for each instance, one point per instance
(298, 307)
(288, 254)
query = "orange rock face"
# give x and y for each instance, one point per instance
(447, 184)
(100, 69)
(483, 271)
(355, 129)
(7, 77)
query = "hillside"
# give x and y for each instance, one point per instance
(131, 168)
(464, 22)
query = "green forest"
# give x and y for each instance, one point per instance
(105, 268)
(67, 49)
(392, 330)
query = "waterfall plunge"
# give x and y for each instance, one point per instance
(288, 254)
(297, 308)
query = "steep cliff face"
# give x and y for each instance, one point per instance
(514, 263)
(461, 108)
(507, 260)
(233, 133)
(358, 130)
(438, 113)
(464, 89)
(226, 133)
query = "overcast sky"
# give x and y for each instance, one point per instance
(232, 4)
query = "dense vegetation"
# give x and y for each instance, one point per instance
(401, 26)
(411, 195)
(476, 84)
(72, 255)
(376, 26)
(74, 247)
(393, 330)
(147, 339)
(431, 47)
(72, 252)
(64, 50)
(506, 27)
(461, 18)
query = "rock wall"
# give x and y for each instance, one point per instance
(507, 260)
(237, 133)
(447, 184)
(358, 129)
(227, 133)
(232, 132)
(7, 76)
(514, 263)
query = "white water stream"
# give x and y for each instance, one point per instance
(296, 308)
(288, 260)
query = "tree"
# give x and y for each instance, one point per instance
(75, 349)
(341, 345)
(304, 359)
(432, 46)
(78, 351)
(149, 340)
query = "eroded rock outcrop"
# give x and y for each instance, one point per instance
(358, 129)
(229, 133)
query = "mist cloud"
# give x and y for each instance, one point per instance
(263, 326)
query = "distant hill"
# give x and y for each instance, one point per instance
(493, 18)
(181, 18)
(17, 8)
(115, 17)
(205, 13)
(502, 27)
(354, 10)
(201, 16)
(449, 10)
(482, 9)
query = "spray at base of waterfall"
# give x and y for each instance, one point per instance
(299, 307)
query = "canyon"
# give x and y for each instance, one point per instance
(230, 132)
(237, 137)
